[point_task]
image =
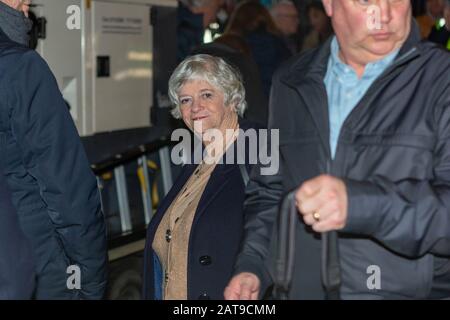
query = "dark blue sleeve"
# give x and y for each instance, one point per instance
(16, 259)
(54, 156)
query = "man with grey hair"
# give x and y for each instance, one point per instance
(364, 140)
(53, 188)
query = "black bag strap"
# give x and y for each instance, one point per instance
(244, 173)
(331, 270)
(284, 264)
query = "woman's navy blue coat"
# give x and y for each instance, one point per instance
(215, 235)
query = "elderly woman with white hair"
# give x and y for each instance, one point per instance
(194, 237)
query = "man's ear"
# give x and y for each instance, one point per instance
(328, 5)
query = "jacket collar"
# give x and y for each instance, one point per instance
(412, 41)
(317, 68)
(307, 73)
(219, 177)
(15, 25)
(217, 182)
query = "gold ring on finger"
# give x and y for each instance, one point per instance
(316, 216)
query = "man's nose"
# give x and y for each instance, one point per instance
(385, 11)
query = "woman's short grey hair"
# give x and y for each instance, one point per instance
(216, 72)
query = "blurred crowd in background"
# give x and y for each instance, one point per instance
(257, 36)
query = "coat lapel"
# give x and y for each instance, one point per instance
(308, 82)
(221, 175)
(217, 182)
(170, 197)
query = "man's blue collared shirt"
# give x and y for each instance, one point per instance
(345, 89)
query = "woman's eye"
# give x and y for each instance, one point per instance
(184, 101)
(207, 95)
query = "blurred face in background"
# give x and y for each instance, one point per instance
(209, 10)
(359, 41)
(436, 7)
(286, 18)
(20, 5)
(319, 20)
(447, 15)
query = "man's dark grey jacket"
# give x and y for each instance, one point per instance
(54, 190)
(393, 154)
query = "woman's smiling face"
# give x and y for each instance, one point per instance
(203, 104)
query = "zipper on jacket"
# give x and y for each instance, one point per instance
(330, 247)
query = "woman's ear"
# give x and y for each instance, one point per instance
(232, 107)
(328, 5)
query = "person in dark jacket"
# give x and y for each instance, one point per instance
(286, 17)
(17, 277)
(321, 28)
(53, 188)
(440, 33)
(193, 17)
(193, 239)
(235, 51)
(252, 21)
(364, 143)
